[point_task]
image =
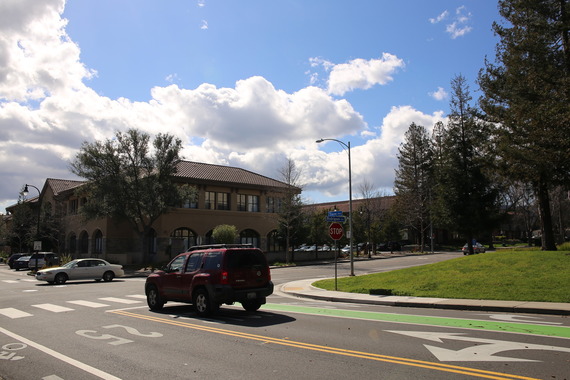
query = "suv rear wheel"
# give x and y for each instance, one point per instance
(252, 305)
(203, 303)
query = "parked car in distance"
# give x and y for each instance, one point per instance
(22, 262)
(15, 256)
(301, 248)
(389, 246)
(477, 248)
(212, 275)
(41, 259)
(81, 269)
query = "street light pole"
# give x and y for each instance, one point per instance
(26, 192)
(347, 146)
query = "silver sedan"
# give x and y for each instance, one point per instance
(81, 269)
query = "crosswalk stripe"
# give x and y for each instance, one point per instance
(88, 303)
(119, 300)
(53, 308)
(10, 312)
(15, 313)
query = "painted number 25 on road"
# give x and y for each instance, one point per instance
(116, 340)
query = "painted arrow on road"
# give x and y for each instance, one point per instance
(520, 319)
(484, 352)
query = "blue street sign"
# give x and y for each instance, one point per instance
(338, 219)
(335, 213)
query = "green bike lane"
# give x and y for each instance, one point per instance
(464, 323)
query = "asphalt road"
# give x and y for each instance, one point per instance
(89, 330)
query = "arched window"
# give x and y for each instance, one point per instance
(274, 242)
(98, 242)
(182, 239)
(249, 237)
(72, 244)
(84, 242)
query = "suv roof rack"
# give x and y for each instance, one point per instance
(219, 246)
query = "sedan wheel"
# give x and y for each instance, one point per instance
(60, 278)
(108, 276)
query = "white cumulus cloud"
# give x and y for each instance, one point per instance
(363, 74)
(439, 94)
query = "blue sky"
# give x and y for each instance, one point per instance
(242, 83)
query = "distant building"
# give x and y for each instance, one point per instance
(226, 195)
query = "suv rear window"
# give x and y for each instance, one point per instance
(244, 259)
(213, 261)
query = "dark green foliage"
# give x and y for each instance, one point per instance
(414, 180)
(225, 234)
(527, 95)
(129, 179)
(465, 194)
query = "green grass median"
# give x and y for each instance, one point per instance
(509, 275)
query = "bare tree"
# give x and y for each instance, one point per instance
(371, 214)
(290, 212)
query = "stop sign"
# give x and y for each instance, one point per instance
(335, 231)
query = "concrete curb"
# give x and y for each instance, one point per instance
(305, 289)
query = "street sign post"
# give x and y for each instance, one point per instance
(336, 231)
(338, 219)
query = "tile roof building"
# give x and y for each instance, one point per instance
(226, 195)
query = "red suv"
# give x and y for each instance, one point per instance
(208, 276)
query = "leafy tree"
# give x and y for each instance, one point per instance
(527, 93)
(517, 199)
(466, 195)
(23, 227)
(318, 231)
(225, 234)
(414, 180)
(131, 180)
(290, 213)
(391, 227)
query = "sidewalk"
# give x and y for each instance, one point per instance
(304, 289)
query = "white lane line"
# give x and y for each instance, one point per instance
(119, 300)
(76, 363)
(10, 312)
(140, 296)
(53, 308)
(88, 303)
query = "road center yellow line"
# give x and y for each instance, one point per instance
(332, 350)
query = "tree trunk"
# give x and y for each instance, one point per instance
(548, 243)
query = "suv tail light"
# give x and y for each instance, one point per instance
(224, 278)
